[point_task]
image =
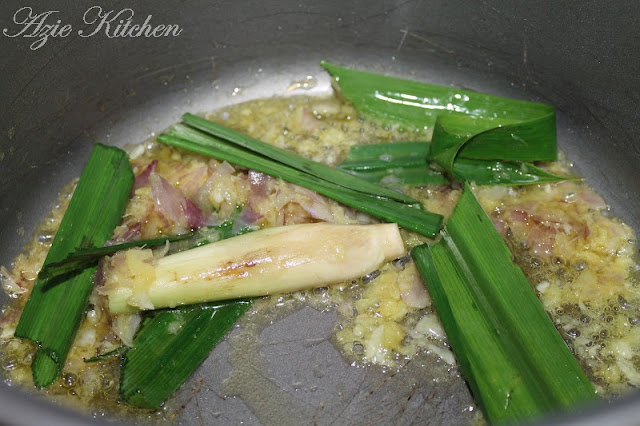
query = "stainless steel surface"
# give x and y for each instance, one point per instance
(71, 92)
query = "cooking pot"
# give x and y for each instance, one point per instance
(62, 93)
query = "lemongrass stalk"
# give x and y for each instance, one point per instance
(270, 261)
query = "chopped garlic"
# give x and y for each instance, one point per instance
(542, 286)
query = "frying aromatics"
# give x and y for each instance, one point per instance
(384, 317)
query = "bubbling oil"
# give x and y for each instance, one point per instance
(582, 263)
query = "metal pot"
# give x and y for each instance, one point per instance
(61, 95)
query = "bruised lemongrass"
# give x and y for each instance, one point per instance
(265, 262)
(515, 362)
(55, 307)
(412, 218)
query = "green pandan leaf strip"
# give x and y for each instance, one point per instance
(491, 172)
(465, 124)
(405, 163)
(517, 365)
(86, 257)
(56, 306)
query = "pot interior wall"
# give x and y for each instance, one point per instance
(63, 97)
